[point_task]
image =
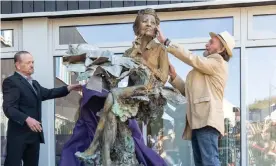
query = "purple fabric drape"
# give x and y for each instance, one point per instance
(85, 128)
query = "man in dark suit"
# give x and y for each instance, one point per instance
(22, 98)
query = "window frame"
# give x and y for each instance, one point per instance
(242, 29)
(256, 11)
(16, 26)
(120, 47)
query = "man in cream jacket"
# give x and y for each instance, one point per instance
(204, 91)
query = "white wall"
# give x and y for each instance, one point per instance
(37, 37)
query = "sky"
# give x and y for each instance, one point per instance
(261, 66)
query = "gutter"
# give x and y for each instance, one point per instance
(134, 9)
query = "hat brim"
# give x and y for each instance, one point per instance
(212, 34)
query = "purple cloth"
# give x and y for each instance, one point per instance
(85, 128)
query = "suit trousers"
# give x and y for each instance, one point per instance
(18, 151)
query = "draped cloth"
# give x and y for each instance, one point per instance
(83, 133)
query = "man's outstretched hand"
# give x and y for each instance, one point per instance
(74, 87)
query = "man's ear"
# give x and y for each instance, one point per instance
(221, 50)
(17, 65)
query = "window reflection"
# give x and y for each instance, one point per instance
(7, 69)
(261, 108)
(66, 108)
(114, 33)
(196, 28)
(165, 133)
(96, 34)
(264, 25)
(6, 38)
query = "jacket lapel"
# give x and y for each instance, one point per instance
(24, 81)
(36, 86)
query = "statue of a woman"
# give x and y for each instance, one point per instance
(151, 54)
(143, 99)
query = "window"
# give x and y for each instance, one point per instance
(197, 28)
(190, 28)
(7, 69)
(112, 33)
(165, 133)
(96, 34)
(116, 32)
(10, 37)
(261, 23)
(261, 105)
(7, 38)
(66, 108)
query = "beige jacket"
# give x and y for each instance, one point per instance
(203, 89)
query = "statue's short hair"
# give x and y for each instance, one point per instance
(147, 11)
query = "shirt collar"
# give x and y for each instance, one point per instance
(151, 44)
(29, 78)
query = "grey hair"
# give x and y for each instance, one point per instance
(17, 56)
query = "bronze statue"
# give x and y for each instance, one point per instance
(147, 66)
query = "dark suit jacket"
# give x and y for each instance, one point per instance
(21, 101)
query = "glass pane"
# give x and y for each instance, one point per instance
(6, 38)
(196, 28)
(261, 108)
(229, 145)
(66, 108)
(172, 123)
(96, 34)
(7, 69)
(264, 25)
(112, 33)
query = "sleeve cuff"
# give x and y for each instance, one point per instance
(66, 89)
(22, 119)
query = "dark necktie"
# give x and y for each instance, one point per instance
(30, 80)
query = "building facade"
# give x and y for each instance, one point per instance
(45, 28)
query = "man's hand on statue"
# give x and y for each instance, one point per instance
(74, 87)
(160, 36)
(172, 71)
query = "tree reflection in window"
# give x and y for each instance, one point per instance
(261, 106)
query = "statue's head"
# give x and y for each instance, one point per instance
(146, 23)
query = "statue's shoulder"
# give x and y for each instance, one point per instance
(158, 45)
(128, 52)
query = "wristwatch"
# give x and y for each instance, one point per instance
(167, 42)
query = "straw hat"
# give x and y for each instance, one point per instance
(227, 40)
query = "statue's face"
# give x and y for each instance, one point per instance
(147, 25)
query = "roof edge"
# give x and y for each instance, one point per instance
(134, 9)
